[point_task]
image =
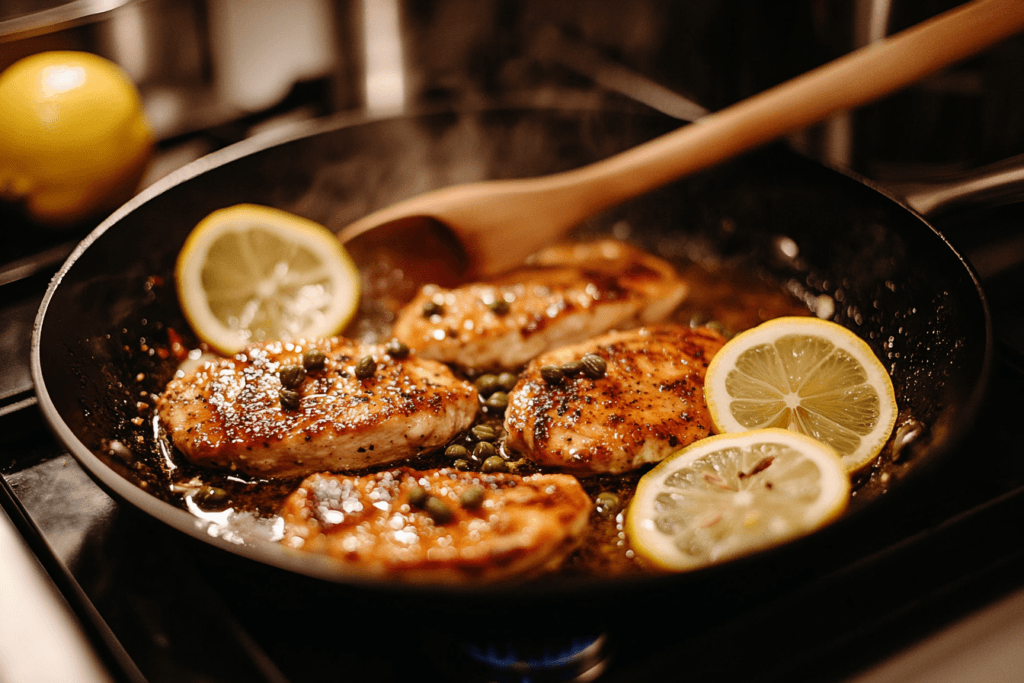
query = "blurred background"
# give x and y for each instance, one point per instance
(214, 71)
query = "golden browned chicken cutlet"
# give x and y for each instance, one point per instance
(566, 294)
(442, 526)
(264, 413)
(616, 402)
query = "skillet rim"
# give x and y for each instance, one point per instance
(325, 570)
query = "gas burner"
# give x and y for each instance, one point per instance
(569, 659)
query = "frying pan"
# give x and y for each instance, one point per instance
(100, 343)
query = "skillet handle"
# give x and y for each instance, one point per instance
(996, 184)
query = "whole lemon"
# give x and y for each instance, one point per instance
(74, 140)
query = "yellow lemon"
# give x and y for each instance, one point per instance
(250, 273)
(733, 494)
(74, 140)
(805, 374)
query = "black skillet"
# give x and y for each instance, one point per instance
(103, 331)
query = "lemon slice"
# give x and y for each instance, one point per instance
(732, 494)
(808, 375)
(250, 273)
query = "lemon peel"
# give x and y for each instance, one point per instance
(74, 138)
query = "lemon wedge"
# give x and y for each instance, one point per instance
(250, 273)
(74, 138)
(809, 375)
(733, 494)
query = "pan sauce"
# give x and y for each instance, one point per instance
(731, 299)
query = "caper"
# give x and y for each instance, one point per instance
(438, 510)
(717, 327)
(552, 374)
(314, 359)
(484, 433)
(498, 307)
(473, 497)
(290, 400)
(698, 318)
(457, 451)
(497, 401)
(462, 465)
(484, 449)
(495, 463)
(607, 504)
(366, 367)
(396, 349)
(507, 381)
(487, 385)
(210, 495)
(292, 375)
(594, 366)
(573, 367)
(418, 496)
(432, 308)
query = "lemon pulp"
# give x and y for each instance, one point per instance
(251, 273)
(807, 375)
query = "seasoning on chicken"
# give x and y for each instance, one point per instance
(616, 402)
(286, 409)
(565, 294)
(441, 526)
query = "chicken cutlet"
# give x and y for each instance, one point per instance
(442, 525)
(263, 413)
(616, 402)
(565, 294)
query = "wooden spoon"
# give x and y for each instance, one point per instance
(498, 223)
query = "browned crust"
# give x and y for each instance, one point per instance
(651, 397)
(366, 523)
(228, 413)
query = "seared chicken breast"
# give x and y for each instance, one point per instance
(566, 294)
(442, 526)
(639, 401)
(262, 413)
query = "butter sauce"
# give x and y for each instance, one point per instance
(730, 300)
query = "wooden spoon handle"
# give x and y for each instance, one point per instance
(855, 79)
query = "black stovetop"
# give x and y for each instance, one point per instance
(156, 610)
